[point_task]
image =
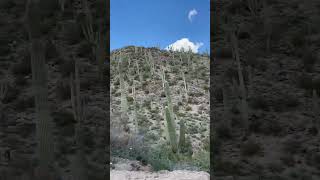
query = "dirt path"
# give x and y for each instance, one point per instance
(164, 175)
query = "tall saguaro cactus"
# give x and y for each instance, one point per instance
(169, 101)
(182, 137)
(44, 124)
(124, 103)
(80, 162)
(171, 130)
(3, 91)
(315, 106)
(244, 104)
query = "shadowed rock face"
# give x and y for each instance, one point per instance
(162, 175)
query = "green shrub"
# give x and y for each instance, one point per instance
(202, 160)
(188, 108)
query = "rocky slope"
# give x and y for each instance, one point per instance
(278, 44)
(64, 43)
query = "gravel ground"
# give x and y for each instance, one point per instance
(162, 175)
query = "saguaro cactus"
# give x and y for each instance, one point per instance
(315, 105)
(171, 130)
(169, 102)
(3, 91)
(226, 107)
(39, 78)
(244, 105)
(80, 162)
(182, 137)
(124, 103)
(254, 6)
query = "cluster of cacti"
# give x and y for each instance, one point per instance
(95, 38)
(152, 112)
(254, 6)
(170, 121)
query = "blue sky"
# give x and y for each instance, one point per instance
(160, 22)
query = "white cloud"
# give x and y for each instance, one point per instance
(192, 13)
(184, 45)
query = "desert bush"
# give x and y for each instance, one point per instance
(188, 108)
(202, 161)
(193, 129)
(130, 99)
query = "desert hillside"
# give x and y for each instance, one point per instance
(265, 88)
(160, 107)
(45, 64)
